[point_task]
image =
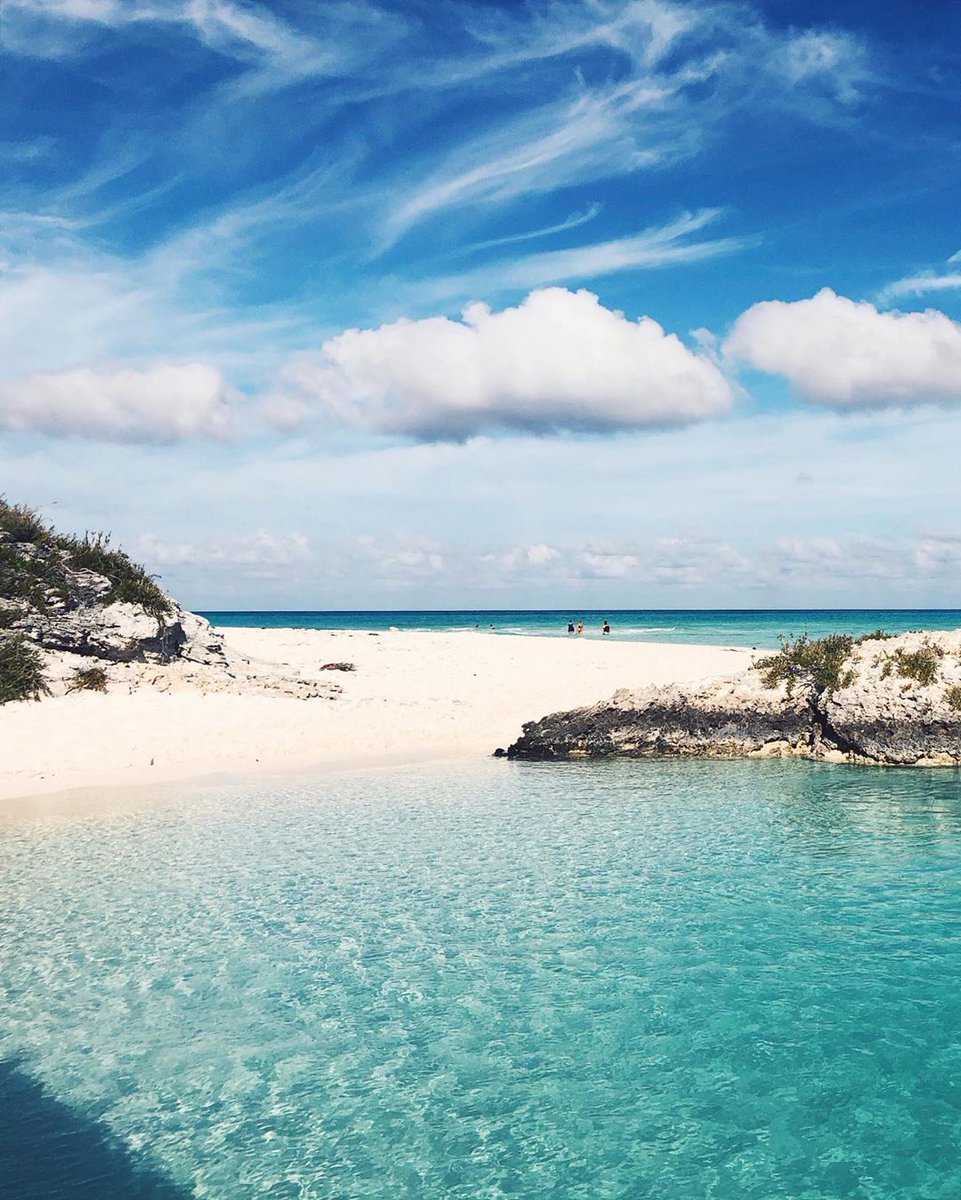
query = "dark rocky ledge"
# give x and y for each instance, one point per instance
(882, 715)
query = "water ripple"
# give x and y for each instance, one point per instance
(655, 979)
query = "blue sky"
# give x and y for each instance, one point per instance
(626, 302)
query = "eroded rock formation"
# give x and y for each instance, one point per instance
(112, 617)
(898, 702)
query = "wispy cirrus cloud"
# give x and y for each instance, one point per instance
(684, 69)
(574, 221)
(285, 165)
(920, 285)
(574, 141)
(660, 246)
(247, 33)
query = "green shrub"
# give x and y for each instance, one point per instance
(39, 576)
(921, 665)
(22, 524)
(953, 697)
(88, 679)
(36, 578)
(21, 670)
(818, 663)
(129, 582)
(877, 635)
(9, 613)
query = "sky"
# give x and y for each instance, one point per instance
(427, 304)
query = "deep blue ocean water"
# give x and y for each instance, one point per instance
(724, 627)
(625, 980)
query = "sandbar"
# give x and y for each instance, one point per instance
(412, 696)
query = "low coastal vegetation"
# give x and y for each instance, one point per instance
(922, 665)
(35, 560)
(839, 699)
(817, 664)
(21, 669)
(821, 664)
(88, 679)
(42, 573)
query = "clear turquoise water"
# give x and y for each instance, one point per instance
(726, 627)
(626, 980)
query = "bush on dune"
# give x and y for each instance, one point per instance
(39, 576)
(21, 670)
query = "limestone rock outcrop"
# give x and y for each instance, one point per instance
(70, 610)
(82, 614)
(898, 702)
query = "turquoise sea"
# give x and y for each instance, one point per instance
(723, 627)
(665, 979)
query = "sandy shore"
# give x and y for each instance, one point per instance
(412, 696)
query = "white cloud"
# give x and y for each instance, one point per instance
(681, 69)
(919, 285)
(591, 136)
(848, 354)
(259, 548)
(938, 553)
(524, 558)
(168, 402)
(608, 564)
(659, 246)
(87, 309)
(834, 60)
(574, 221)
(241, 32)
(402, 558)
(559, 360)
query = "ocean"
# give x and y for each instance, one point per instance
(735, 980)
(759, 628)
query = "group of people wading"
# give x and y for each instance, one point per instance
(579, 627)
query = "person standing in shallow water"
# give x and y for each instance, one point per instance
(580, 627)
(570, 626)
(606, 627)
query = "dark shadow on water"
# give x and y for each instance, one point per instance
(49, 1151)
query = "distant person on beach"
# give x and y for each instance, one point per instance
(570, 626)
(606, 627)
(580, 627)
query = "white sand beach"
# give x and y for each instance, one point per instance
(412, 696)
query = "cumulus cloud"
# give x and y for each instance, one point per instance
(848, 354)
(559, 360)
(165, 403)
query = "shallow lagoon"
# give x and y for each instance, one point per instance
(670, 979)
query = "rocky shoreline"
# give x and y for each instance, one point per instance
(77, 614)
(894, 701)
